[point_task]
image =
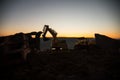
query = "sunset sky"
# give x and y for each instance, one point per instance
(69, 18)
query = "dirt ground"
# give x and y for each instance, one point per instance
(68, 65)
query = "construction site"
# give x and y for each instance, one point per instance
(23, 57)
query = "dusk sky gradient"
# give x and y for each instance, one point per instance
(70, 18)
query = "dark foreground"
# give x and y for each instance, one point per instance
(72, 65)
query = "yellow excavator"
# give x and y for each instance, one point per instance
(57, 45)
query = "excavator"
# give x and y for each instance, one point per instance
(85, 44)
(57, 45)
(81, 44)
(15, 48)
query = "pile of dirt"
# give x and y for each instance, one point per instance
(72, 65)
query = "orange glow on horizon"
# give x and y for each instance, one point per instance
(112, 35)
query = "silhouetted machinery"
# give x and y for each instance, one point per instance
(57, 45)
(15, 48)
(81, 44)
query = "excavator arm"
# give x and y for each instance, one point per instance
(52, 32)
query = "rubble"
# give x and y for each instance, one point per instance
(14, 48)
(107, 43)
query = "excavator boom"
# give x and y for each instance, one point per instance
(45, 29)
